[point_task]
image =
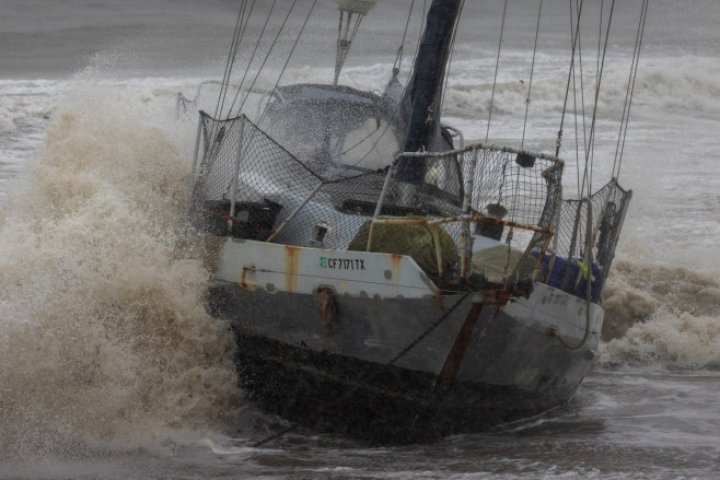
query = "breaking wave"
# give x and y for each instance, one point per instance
(661, 316)
(684, 83)
(103, 332)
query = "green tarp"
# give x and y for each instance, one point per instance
(415, 241)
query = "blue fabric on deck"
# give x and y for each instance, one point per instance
(571, 286)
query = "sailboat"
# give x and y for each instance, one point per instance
(382, 279)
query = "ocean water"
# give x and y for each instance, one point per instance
(110, 367)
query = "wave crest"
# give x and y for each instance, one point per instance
(662, 316)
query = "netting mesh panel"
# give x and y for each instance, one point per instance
(249, 186)
(606, 211)
(216, 169)
(243, 165)
(523, 189)
(527, 194)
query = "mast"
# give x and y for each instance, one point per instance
(423, 95)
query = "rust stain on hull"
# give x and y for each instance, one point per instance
(455, 356)
(292, 258)
(247, 278)
(395, 260)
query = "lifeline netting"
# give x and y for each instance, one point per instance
(249, 186)
(565, 268)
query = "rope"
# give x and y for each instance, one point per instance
(392, 361)
(497, 67)
(629, 95)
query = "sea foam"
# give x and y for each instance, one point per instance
(103, 330)
(662, 316)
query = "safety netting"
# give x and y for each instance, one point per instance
(248, 185)
(592, 223)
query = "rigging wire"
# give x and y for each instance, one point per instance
(422, 22)
(580, 202)
(397, 66)
(630, 92)
(345, 39)
(497, 67)
(267, 55)
(600, 33)
(589, 149)
(582, 109)
(597, 76)
(252, 55)
(516, 184)
(492, 105)
(284, 68)
(282, 72)
(575, 98)
(575, 35)
(290, 54)
(387, 126)
(287, 61)
(395, 114)
(234, 44)
(452, 52)
(588, 174)
(397, 111)
(589, 211)
(532, 74)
